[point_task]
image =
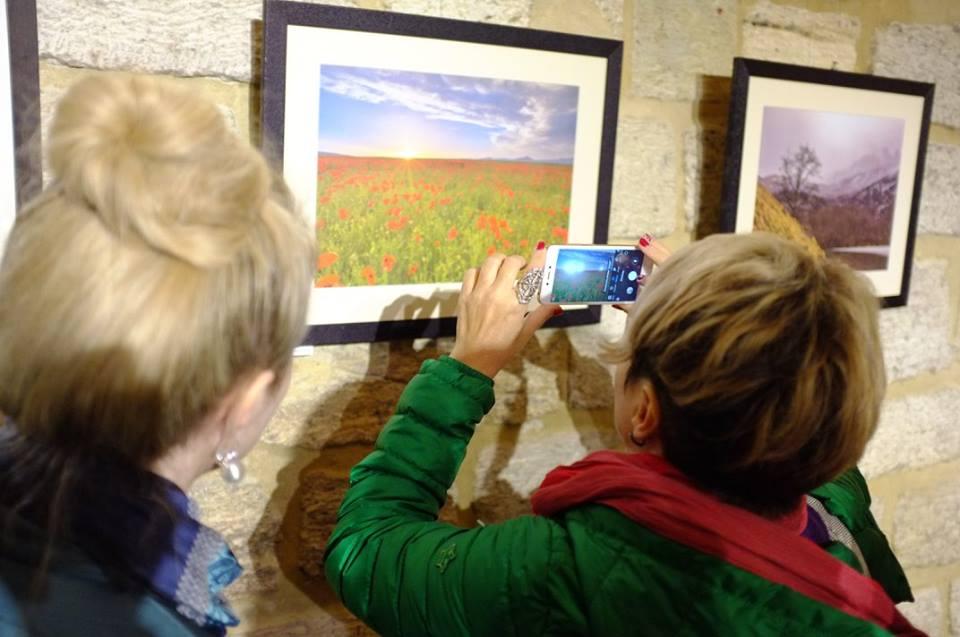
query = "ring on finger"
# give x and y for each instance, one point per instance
(528, 286)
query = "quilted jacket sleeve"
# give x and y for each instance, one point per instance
(404, 573)
(848, 498)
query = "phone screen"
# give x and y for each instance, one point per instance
(596, 275)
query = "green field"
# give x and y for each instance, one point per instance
(400, 221)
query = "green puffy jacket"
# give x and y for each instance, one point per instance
(588, 571)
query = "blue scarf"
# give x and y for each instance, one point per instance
(140, 528)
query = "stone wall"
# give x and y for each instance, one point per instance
(554, 403)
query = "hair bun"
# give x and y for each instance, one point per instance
(156, 162)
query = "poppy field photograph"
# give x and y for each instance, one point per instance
(422, 175)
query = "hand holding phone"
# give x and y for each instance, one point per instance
(592, 274)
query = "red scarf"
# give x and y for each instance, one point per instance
(653, 493)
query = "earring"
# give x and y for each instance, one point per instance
(639, 443)
(231, 469)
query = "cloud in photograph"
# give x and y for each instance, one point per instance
(381, 112)
(842, 141)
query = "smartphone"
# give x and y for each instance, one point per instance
(591, 274)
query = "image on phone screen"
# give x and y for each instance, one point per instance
(596, 275)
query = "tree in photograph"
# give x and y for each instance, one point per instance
(797, 172)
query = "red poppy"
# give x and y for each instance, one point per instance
(343, 214)
(524, 243)
(321, 224)
(506, 244)
(452, 234)
(418, 238)
(559, 232)
(368, 273)
(412, 270)
(326, 259)
(388, 262)
(491, 250)
(397, 224)
(327, 281)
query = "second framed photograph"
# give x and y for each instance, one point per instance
(831, 159)
(417, 146)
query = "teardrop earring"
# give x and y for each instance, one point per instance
(231, 469)
(639, 443)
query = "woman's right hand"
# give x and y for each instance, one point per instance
(492, 325)
(653, 249)
(656, 252)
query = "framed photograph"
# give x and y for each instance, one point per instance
(19, 111)
(831, 159)
(417, 146)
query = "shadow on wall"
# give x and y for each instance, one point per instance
(711, 113)
(363, 403)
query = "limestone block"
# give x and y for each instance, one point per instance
(916, 431)
(925, 529)
(244, 515)
(534, 384)
(644, 180)
(877, 507)
(329, 407)
(322, 487)
(594, 18)
(510, 12)
(703, 160)
(510, 470)
(591, 380)
(926, 612)
(177, 37)
(674, 42)
(955, 607)
(940, 199)
(613, 11)
(916, 337)
(926, 53)
(344, 394)
(796, 36)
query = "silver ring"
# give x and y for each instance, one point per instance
(528, 286)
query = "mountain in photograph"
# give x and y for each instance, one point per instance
(869, 182)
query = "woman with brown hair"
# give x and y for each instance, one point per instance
(748, 382)
(150, 300)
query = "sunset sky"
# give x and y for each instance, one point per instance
(385, 113)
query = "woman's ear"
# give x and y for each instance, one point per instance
(246, 402)
(645, 417)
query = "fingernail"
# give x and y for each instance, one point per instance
(558, 311)
(644, 241)
(541, 245)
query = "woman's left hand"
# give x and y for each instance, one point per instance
(492, 325)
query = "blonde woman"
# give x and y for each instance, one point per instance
(748, 382)
(150, 299)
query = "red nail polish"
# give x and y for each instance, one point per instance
(644, 241)
(541, 245)
(558, 311)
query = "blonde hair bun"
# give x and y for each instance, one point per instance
(157, 164)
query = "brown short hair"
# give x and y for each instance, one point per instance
(164, 262)
(767, 362)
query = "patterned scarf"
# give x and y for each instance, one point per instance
(140, 528)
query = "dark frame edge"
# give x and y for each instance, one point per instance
(733, 153)
(25, 96)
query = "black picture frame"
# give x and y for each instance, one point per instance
(21, 154)
(773, 102)
(401, 315)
